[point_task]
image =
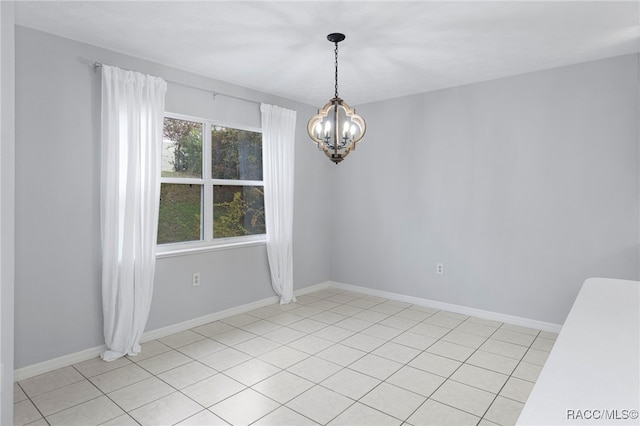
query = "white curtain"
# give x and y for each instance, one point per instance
(132, 120)
(278, 137)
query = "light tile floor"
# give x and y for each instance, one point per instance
(333, 358)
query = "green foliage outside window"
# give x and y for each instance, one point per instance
(238, 209)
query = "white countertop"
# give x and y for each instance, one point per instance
(593, 370)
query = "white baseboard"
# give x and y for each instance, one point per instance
(84, 355)
(465, 310)
(54, 364)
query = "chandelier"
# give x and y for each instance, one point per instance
(336, 128)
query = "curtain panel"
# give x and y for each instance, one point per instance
(278, 137)
(132, 121)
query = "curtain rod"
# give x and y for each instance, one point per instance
(97, 65)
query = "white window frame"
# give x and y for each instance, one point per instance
(207, 242)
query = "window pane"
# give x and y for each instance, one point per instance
(237, 154)
(179, 217)
(238, 211)
(181, 148)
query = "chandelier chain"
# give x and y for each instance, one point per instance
(336, 65)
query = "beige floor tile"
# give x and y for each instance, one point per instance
(284, 357)
(329, 317)
(123, 420)
(465, 339)
(414, 340)
(233, 337)
(180, 339)
(308, 325)
(18, 393)
(311, 344)
(149, 349)
(463, 397)
(382, 331)
(416, 380)
(520, 329)
(251, 372)
(360, 414)
(333, 357)
(480, 378)
(396, 352)
(430, 330)
(392, 400)
(239, 320)
(314, 369)
(140, 393)
(212, 329)
(517, 389)
(333, 333)
(375, 366)
(261, 327)
(363, 342)
(257, 346)
(63, 398)
(284, 335)
(494, 362)
(96, 366)
(201, 348)
(536, 356)
(284, 416)
(120, 378)
(443, 321)
(320, 404)
(414, 314)
(451, 350)
(510, 336)
(283, 386)
(93, 412)
(244, 407)
(476, 328)
(543, 344)
(433, 413)
(341, 354)
(351, 383)
(203, 418)
(187, 374)
(163, 362)
(435, 364)
(354, 324)
(24, 412)
(371, 316)
(499, 347)
(167, 410)
(527, 371)
(504, 411)
(213, 390)
(398, 322)
(224, 359)
(47, 382)
(285, 318)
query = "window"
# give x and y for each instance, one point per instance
(211, 184)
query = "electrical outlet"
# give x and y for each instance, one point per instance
(439, 269)
(195, 282)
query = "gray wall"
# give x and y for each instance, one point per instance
(523, 187)
(7, 201)
(57, 296)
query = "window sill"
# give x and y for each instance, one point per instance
(174, 250)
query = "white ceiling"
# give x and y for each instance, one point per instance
(392, 49)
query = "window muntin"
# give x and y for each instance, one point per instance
(212, 191)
